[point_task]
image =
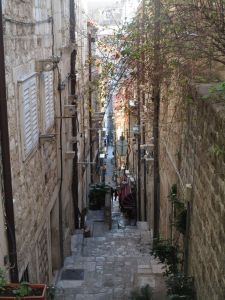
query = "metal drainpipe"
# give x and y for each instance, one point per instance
(7, 180)
(156, 100)
(139, 133)
(144, 103)
(90, 101)
(61, 235)
(74, 119)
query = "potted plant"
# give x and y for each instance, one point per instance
(180, 287)
(142, 293)
(97, 196)
(167, 253)
(21, 291)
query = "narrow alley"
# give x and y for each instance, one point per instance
(112, 149)
(110, 264)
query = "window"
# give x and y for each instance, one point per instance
(30, 130)
(48, 100)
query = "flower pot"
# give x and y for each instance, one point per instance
(39, 292)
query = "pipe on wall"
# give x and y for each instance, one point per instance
(74, 120)
(7, 180)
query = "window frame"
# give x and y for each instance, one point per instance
(23, 84)
(47, 125)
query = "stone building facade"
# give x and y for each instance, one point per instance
(192, 156)
(3, 241)
(39, 60)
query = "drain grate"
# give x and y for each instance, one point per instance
(72, 274)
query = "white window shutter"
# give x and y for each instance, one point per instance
(30, 115)
(34, 113)
(49, 99)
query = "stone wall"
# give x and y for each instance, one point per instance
(192, 152)
(3, 244)
(36, 179)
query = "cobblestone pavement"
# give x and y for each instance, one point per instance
(111, 263)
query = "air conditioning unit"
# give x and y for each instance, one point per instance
(46, 138)
(149, 156)
(69, 155)
(44, 65)
(149, 159)
(73, 139)
(133, 103)
(147, 146)
(72, 99)
(73, 46)
(69, 110)
(136, 129)
(142, 153)
(145, 108)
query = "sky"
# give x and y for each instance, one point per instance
(97, 7)
(100, 3)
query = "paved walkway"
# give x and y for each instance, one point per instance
(109, 167)
(110, 264)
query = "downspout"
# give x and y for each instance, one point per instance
(139, 216)
(90, 102)
(156, 100)
(145, 180)
(7, 180)
(61, 235)
(144, 103)
(74, 119)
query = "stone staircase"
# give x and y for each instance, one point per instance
(109, 266)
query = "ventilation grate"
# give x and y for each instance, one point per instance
(72, 274)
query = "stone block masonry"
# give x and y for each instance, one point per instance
(28, 38)
(196, 144)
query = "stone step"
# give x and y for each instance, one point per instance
(77, 243)
(68, 262)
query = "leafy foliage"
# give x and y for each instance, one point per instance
(23, 290)
(143, 293)
(180, 287)
(217, 150)
(2, 279)
(167, 254)
(97, 196)
(180, 211)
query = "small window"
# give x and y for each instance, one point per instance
(30, 130)
(48, 100)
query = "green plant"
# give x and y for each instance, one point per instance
(180, 211)
(2, 279)
(217, 88)
(142, 293)
(23, 290)
(167, 254)
(217, 150)
(180, 287)
(173, 193)
(51, 290)
(97, 195)
(180, 221)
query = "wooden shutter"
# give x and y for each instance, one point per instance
(49, 99)
(30, 115)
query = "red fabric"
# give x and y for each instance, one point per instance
(125, 188)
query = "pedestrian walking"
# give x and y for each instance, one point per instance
(115, 194)
(103, 172)
(112, 193)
